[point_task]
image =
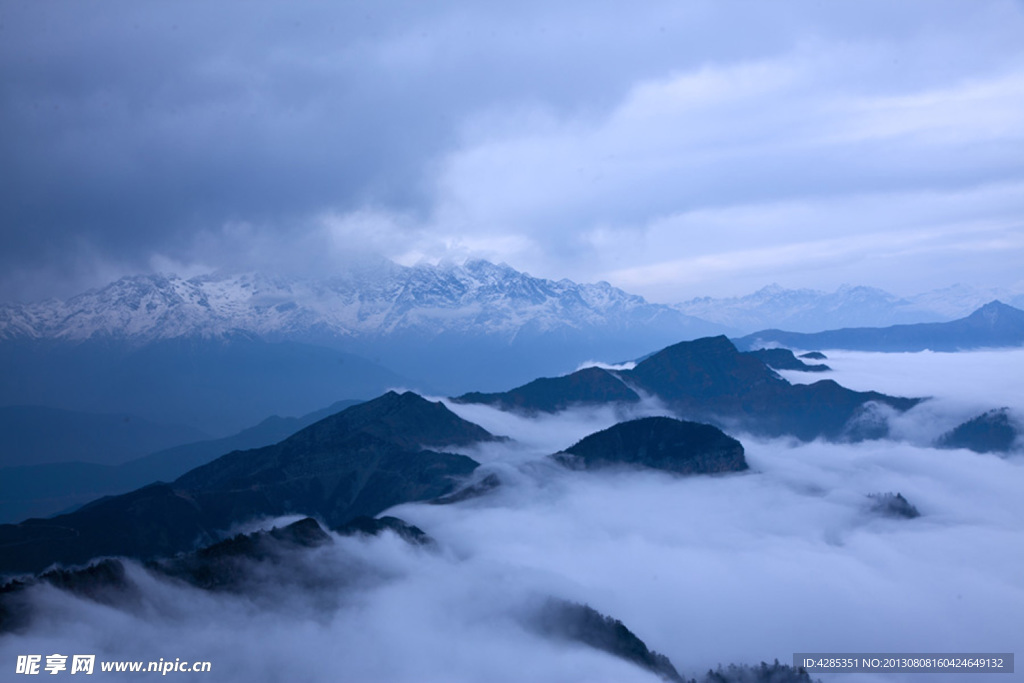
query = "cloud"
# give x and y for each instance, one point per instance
(557, 139)
(735, 173)
(960, 385)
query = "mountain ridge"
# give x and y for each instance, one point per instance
(344, 466)
(993, 325)
(809, 310)
(710, 380)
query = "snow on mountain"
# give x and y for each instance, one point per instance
(807, 310)
(959, 300)
(379, 299)
(383, 299)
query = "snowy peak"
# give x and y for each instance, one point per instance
(477, 297)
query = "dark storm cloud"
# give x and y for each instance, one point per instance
(166, 135)
(134, 127)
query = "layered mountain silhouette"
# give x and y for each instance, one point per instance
(345, 469)
(392, 450)
(993, 325)
(358, 462)
(57, 487)
(709, 380)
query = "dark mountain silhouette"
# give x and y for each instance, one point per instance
(993, 325)
(783, 359)
(472, 489)
(236, 564)
(589, 386)
(375, 526)
(104, 582)
(571, 621)
(358, 462)
(893, 505)
(52, 488)
(814, 355)
(991, 432)
(659, 443)
(584, 624)
(709, 380)
(227, 565)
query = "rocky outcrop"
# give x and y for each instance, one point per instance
(993, 432)
(660, 443)
(893, 505)
(581, 623)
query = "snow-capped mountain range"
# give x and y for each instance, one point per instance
(382, 299)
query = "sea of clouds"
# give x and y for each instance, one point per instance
(787, 557)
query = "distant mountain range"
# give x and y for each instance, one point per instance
(993, 325)
(809, 310)
(380, 299)
(373, 301)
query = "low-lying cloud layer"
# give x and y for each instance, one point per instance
(960, 385)
(707, 570)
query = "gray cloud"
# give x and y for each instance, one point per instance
(543, 135)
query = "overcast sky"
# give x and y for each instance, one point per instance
(675, 149)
